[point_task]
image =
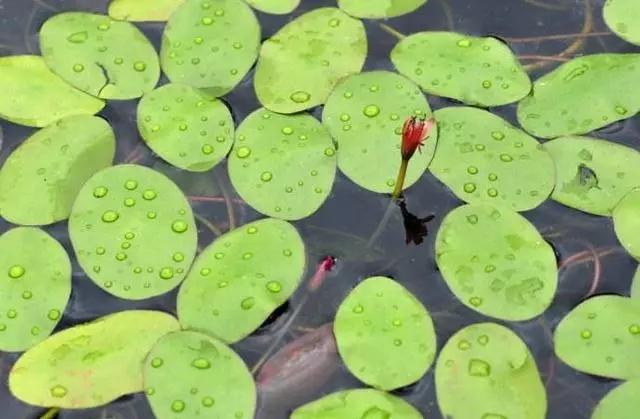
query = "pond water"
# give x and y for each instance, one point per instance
(349, 217)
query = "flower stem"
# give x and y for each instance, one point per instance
(402, 173)
(51, 413)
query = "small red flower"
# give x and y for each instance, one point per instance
(414, 132)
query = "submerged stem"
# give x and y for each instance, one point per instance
(391, 31)
(215, 230)
(557, 37)
(51, 413)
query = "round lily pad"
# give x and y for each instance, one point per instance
(133, 232)
(593, 175)
(185, 126)
(385, 336)
(486, 371)
(582, 95)
(357, 403)
(107, 58)
(33, 95)
(143, 10)
(379, 9)
(626, 220)
(622, 17)
(301, 64)
(473, 70)
(35, 287)
(210, 44)
(191, 375)
(365, 114)
(77, 368)
(241, 278)
(41, 178)
(620, 403)
(283, 165)
(635, 284)
(484, 159)
(274, 7)
(496, 262)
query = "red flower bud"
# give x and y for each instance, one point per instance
(414, 132)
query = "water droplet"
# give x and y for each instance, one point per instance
(118, 61)
(472, 219)
(486, 84)
(334, 23)
(151, 215)
(179, 226)
(129, 202)
(35, 330)
(12, 314)
(58, 391)
(198, 40)
(243, 152)
(150, 391)
(206, 20)
(208, 401)
(219, 255)
(16, 271)
(469, 187)
(586, 334)
(149, 195)
(201, 363)
(620, 110)
(287, 130)
(492, 192)
(247, 256)
(223, 284)
(472, 170)
(130, 185)
(300, 96)
(27, 295)
(78, 68)
(506, 157)
(53, 314)
(464, 43)
(177, 406)
(348, 95)
(274, 286)
(205, 271)
(139, 66)
(247, 303)
(219, 12)
(287, 252)
(634, 329)
(120, 256)
(78, 37)
(371, 111)
(478, 368)
(100, 192)
(358, 309)
(329, 151)
(475, 301)
(108, 284)
(489, 268)
(166, 273)
(157, 362)
(464, 345)
(397, 342)
(492, 177)
(110, 216)
(207, 149)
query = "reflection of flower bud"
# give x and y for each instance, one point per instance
(325, 266)
(414, 132)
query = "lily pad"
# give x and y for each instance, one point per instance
(626, 220)
(622, 18)
(620, 403)
(107, 58)
(593, 175)
(473, 70)
(582, 95)
(496, 262)
(365, 114)
(33, 95)
(35, 288)
(484, 159)
(185, 126)
(283, 165)
(379, 9)
(210, 44)
(274, 7)
(143, 10)
(301, 64)
(385, 336)
(486, 371)
(75, 368)
(191, 375)
(241, 278)
(42, 177)
(133, 232)
(357, 403)
(635, 284)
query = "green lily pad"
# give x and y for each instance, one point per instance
(274, 7)
(622, 18)
(620, 403)
(385, 336)
(185, 126)
(362, 403)
(593, 175)
(496, 262)
(476, 71)
(191, 375)
(601, 336)
(133, 232)
(626, 220)
(107, 58)
(635, 284)
(33, 95)
(379, 9)
(210, 44)
(75, 368)
(582, 95)
(365, 114)
(241, 278)
(484, 159)
(42, 177)
(486, 371)
(34, 293)
(143, 10)
(283, 165)
(301, 64)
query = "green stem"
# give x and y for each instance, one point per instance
(402, 173)
(388, 29)
(51, 413)
(215, 230)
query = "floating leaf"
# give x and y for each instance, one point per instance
(379, 9)
(483, 159)
(496, 262)
(476, 71)
(301, 64)
(241, 278)
(283, 165)
(365, 114)
(622, 18)
(191, 375)
(185, 126)
(357, 403)
(635, 284)
(75, 368)
(385, 336)
(626, 220)
(107, 58)
(275, 7)
(210, 44)
(133, 232)
(620, 403)
(593, 175)
(582, 95)
(41, 178)
(35, 288)
(33, 95)
(143, 10)
(486, 371)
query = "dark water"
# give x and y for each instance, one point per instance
(351, 214)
